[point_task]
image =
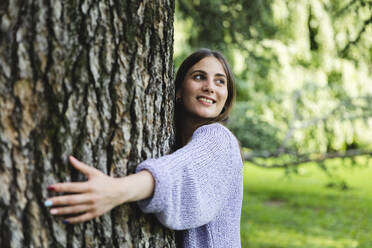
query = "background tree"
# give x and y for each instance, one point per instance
(303, 73)
(89, 78)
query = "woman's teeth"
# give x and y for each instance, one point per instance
(205, 100)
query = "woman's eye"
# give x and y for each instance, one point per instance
(220, 81)
(198, 77)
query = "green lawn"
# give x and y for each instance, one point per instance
(301, 212)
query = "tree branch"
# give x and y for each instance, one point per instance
(292, 127)
(346, 7)
(304, 158)
(353, 42)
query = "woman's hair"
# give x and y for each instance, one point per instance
(180, 76)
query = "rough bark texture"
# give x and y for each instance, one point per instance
(89, 78)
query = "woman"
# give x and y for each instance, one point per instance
(196, 189)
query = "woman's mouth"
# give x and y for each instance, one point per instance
(206, 100)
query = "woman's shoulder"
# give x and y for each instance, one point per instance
(217, 137)
(215, 130)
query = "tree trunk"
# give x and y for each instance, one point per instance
(88, 78)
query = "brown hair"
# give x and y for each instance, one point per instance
(191, 60)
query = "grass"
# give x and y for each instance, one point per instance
(299, 211)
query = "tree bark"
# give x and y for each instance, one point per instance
(88, 78)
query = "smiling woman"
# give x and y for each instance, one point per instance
(205, 91)
(196, 190)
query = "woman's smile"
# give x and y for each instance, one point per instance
(206, 100)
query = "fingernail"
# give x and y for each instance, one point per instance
(51, 188)
(48, 203)
(65, 222)
(53, 211)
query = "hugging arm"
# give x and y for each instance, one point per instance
(185, 189)
(99, 194)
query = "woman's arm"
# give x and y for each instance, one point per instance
(193, 184)
(99, 194)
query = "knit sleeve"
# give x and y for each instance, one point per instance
(193, 183)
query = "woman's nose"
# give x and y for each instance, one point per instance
(208, 86)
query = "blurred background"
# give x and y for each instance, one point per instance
(303, 114)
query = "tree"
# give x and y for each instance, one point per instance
(89, 78)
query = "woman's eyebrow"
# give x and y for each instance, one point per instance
(220, 75)
(201, 71)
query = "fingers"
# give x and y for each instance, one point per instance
(81, 218)
(69, 200)
(70, 209)
(74, 187)
(83, 168)
(84, 201)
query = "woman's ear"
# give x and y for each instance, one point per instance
(178, 93)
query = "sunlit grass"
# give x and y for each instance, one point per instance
(300, 211)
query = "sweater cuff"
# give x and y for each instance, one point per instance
(155, 203)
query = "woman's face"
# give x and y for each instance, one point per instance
(204, 89)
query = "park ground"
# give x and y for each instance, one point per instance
(299, 211)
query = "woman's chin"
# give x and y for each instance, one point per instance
(202, 115)
(206, 116)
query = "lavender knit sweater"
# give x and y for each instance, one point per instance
(199, 189)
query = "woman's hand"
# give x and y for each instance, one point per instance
(90, 199)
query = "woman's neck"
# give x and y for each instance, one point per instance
(188, 128)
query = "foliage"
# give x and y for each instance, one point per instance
(303, 69)
(252, 131)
